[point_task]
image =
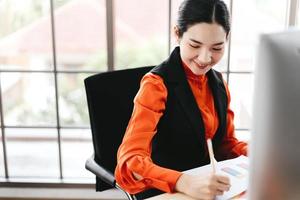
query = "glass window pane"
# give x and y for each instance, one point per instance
(298, 14)
(141, 32)
(222, 65)
(241, 89)
(80, 30)
(243, 135)
(28, 98)
(73, 110)
(174, 14)
(249, 19)
(224, 75)
(2, 173)
(32, 153)
(77, 147)
(25, 35)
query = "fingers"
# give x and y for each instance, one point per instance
(219, 192)
(223, 179)
(222, 187)
(205, 187)
(210, 195)
(220, 179)
(219, 184)
(219, 188)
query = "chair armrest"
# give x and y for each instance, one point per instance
(100, 172)
(105, 175)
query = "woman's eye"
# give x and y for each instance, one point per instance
(217, 49)
(194, 46)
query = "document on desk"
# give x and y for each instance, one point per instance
(236, 169)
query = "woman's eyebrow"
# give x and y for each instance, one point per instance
(198, 42)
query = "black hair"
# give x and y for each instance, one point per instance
(207, 11)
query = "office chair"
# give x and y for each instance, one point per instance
(110, 102)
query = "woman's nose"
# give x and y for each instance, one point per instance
(204, 57)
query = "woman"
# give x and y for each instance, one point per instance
(181, 103)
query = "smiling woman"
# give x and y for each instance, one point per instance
(202, 46)
(182, 102)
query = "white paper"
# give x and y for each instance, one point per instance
(236, 169)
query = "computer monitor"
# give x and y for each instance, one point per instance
(275, 145)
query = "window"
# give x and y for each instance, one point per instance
(28, 98)
(298, 14)
(141, 32)
(80, 35)
(73, 160)
(25, 35)
(174, 15)
(2, 174)
(43, 63)
(32, 153)
(43, 99)
(241, 90)
(249, 19)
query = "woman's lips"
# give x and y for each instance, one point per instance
(201, 66)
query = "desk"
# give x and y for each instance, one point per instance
(180, 196)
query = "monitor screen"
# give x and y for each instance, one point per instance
(275, 145)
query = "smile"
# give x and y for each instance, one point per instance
(201, 66)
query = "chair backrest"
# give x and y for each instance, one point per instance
(110, 102)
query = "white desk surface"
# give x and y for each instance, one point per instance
(179, 196)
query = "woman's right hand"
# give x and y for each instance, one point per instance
(204, 187)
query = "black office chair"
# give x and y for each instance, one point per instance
(110, 102)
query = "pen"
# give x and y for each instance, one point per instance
(211, 155)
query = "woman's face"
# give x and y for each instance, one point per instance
(202, 46)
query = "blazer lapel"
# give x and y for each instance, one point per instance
(175, 76)
(189, 105)
(220, 101)
(185, 95)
